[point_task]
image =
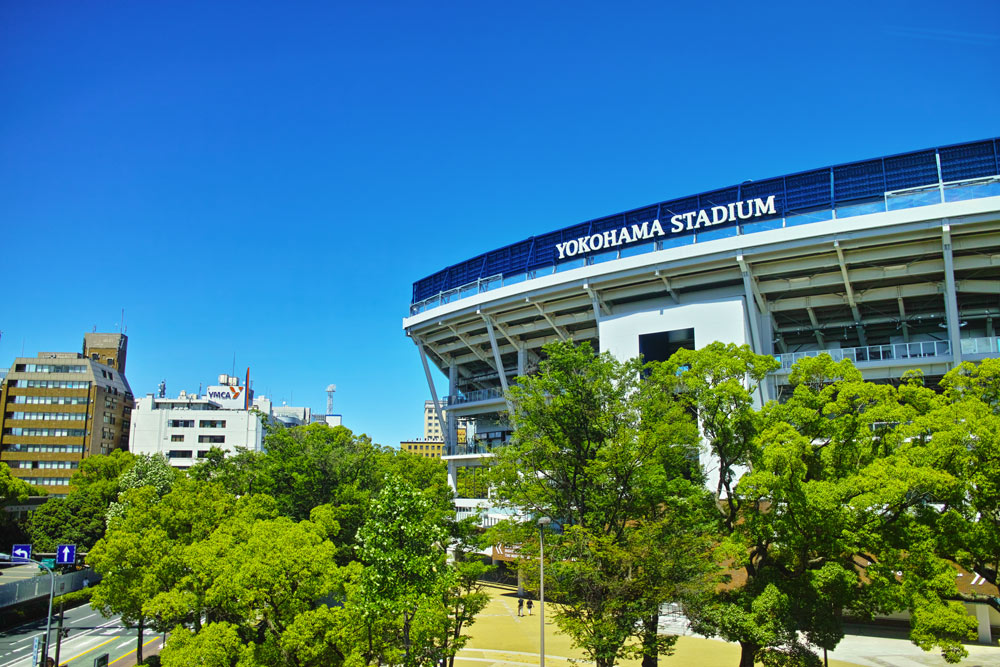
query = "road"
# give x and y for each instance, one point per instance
(14, 573)
(90, 635)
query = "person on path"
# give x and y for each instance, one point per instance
(520, 606)
(529, 607)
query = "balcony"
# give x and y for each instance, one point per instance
(898, 352)
(475, 396)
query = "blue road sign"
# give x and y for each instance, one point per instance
(20, 553)
(65, 554)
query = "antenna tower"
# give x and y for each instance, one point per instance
(330, 390)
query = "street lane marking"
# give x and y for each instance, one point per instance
(131, 652)
(85, 652)
(125, 643)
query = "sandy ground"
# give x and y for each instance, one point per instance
(499, 637)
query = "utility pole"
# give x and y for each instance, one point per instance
(59, 630)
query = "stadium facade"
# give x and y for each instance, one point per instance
(892, 262)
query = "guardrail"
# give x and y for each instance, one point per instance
(36, 587)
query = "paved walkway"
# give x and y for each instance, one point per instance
(500, 638)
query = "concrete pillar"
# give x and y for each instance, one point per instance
(983, 618)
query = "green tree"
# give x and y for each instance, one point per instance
(609, 457)
(412, 604)
(135, 561)
(961, 434)
(267, 579)
(79, 518)
(12, 489)
(144, 471)
(811, 493)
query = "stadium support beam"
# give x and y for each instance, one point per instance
(889, 293)
(515, 342)
(496, 351)
(979, 286)
(850, 294)
(473, 348)
(548, 318)
(600, 307)
(670, 288)
(902, 320)
(752, 306)
(950, 298)
(820, 339)
(434, 396)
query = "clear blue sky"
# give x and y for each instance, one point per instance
(268, 179)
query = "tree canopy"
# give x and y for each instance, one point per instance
(823, 505)
(612, 462)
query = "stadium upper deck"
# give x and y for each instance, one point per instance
(880, 184)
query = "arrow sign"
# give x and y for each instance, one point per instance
(65, 554)
(21, 553)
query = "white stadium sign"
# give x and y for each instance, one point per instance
(682, 222)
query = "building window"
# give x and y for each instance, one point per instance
(48, 481)
(51, 384)
(51, 400)
(202, 453)
(50, 416)
(212, 423)
(179, 454)
(177, 438)
(50, 368)
(212, 439)
(47, 432)
(180, 423)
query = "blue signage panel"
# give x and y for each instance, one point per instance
(20, 553)
(65, 554)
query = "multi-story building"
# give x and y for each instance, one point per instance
(185, 428)
(61, 407)
(431, 449)
(432, 424)
(893, 263)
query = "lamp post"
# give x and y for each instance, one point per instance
(52, 590)
(542, 522)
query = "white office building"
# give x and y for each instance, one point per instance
(184, 428)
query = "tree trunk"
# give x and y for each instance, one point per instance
(747, 654)
(406, 635)
(138, 650)
(650, 625)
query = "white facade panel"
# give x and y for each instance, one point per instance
(724, 321)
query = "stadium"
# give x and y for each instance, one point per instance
(892, 262)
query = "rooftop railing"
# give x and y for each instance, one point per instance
(893, 200)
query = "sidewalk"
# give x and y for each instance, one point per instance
(500, 638)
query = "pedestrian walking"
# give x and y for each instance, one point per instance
(520, 606)
(529, 607)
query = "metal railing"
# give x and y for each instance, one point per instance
(924, 195)
(475, 396)
(938, 348)
(896, 351)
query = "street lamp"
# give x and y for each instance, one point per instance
(542, 522)
(52, 590)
